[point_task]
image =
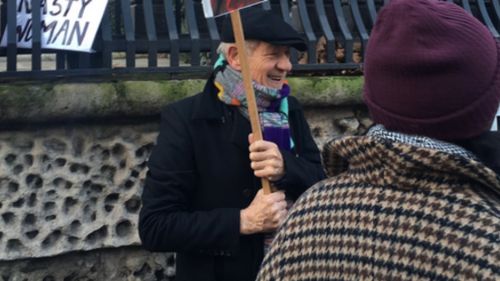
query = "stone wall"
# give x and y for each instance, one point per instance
(72, 165)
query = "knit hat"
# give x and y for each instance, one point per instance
(432, 69)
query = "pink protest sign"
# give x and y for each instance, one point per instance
(214, 8)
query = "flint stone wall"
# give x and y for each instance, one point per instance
(72, 164)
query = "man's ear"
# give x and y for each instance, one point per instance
(233, 59)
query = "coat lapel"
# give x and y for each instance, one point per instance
(208, 107)
(240, 130)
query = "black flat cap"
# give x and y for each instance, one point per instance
(262, 25)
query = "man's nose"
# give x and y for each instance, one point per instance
(284, 63)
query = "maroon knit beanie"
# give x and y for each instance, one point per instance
(432, 69)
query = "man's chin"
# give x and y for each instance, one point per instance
(275, 85)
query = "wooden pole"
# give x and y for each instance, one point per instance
(247, 83)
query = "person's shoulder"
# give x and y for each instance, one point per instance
(293, 99)
(184, 105)
(293, 103)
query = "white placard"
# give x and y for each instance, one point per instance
(66, 24)
(215, 8)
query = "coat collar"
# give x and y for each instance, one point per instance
(386, 162)
(208, 106)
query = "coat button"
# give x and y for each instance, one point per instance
(247, 192)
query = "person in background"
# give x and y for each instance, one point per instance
(202, 196)
(418, 197)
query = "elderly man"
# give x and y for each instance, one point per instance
(202, 196)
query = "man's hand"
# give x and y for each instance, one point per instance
(264, 214)
(266, 159)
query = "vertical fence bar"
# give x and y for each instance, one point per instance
(496, 8)
(83, 60)
(107, 38)
(344, 28)
(311, 37)
(194, 33)
(3, 15)
(372, 10)
(11, 36)
(486, 18)
(151, 33)
(128, 23)
(173, 34)
(117, 19)
(285, 13)
(72, 59)
(360, 25)
(214, 38)
(327, 30)
(466, 6)
(36, 52)
(60, 60)
(178, 14)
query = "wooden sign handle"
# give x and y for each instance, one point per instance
(247, 83)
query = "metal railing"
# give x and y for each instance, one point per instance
(496, 122)
(171, 38)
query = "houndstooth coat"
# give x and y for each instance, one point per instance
(398, 212)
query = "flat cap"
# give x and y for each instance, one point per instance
(259, 24)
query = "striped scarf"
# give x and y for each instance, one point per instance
(272, 105)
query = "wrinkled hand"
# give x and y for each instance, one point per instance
(264, 214)
(266, 159)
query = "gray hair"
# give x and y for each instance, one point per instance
(249, 44)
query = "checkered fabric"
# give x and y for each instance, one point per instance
(420, 141)
(398, 212)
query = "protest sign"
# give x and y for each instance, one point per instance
(65, 24)
(214, 8)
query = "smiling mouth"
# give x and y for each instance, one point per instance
(275, 78)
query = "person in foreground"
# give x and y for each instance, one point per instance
(410, 203)
(202, 196)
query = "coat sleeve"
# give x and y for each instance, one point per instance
(166, 220)
(302, 165)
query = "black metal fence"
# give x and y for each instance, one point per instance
(172, 38)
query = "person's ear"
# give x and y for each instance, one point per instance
(233, 59)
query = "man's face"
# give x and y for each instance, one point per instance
(269, 64)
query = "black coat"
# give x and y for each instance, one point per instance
(486, 147)
(200, 178)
